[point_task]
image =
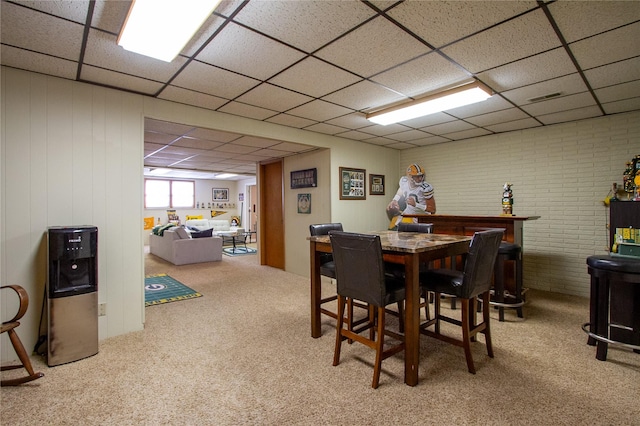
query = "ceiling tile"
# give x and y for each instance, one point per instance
(327, 129)
(430, 120)
(422, 75)
(158, 138)
(249, 111)
(274, 98)
(319, 110)
(189, 97)
(497, 117)
(293, 147)
(37, 62)
(214, 135)
(560, 104)
(309, 25)
(214, 81)
(514, 125)
(70, 10)
(200, 144)
(248, 53)
(567, 85)
(290, 120)
(28, 29)
(314, 77)
(354, 120)
(355, 51)
(580, 19)
(610, 47)
(256, 142)
(379, 130)
(109, 15)
(450, 127)
(467, 134)
(622, 106)
(619, 92)
(116, 79)
(159, 126)
(544, 66)
(618, 72)
(208, 29)
(354, 134)
(570, 115)
(408, 135)
(505, 43)
(443, 22)
(363, 95)
(494, 103)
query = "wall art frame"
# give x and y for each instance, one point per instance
(220, 194)
(376, 184)
(353, 183)
(304, 178)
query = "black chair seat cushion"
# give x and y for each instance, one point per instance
(447, 281)
(328, 269)
(509, 248)
(615, 264)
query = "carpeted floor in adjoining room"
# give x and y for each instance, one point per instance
(242, 355)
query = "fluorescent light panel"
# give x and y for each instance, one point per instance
(161, 28)
(453, 98)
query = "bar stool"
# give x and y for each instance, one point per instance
(614, 306)
(501, 297)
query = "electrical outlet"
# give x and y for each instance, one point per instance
(102, 309)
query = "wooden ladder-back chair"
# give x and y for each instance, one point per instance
(10, 328)
(475, 280)
(361, 276)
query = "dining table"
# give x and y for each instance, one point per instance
(406, 248)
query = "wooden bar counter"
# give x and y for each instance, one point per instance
(467, 225)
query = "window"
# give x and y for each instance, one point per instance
(164, 193)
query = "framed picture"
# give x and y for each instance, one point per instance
(220, 194)
(304, 203)
(304, 178)
(376, 184)
(353, 184)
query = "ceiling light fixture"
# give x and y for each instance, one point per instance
(161, 28)
(225, 175)
(452, 98)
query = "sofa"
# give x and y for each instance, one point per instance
(218, 225)
(177, 246)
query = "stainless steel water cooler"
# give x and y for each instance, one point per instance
(72, 293)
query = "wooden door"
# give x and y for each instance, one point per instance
(271, 215)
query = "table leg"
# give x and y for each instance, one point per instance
(412, 319)
(602, 317)
(315, 291)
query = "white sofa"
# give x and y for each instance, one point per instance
(177, 246)
(203, 224)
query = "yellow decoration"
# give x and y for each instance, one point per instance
(148, 222)
(195, 217)
(215, 213)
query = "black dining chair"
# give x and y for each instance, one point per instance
(328, 269)
(475, 280)
(361, 276)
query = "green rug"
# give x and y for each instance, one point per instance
(162, 288)
(239, 251)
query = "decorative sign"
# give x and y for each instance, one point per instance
(353, 184)
(304, 178)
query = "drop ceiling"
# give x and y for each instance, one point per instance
(321, 65)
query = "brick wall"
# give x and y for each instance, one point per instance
(561, 173)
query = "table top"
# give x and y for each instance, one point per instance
(407, 242)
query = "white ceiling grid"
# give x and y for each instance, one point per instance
(321, 65)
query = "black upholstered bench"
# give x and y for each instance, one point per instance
(614, 309)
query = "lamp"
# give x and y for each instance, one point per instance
(161, 28)
(452, 98)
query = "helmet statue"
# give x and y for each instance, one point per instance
(415, 173)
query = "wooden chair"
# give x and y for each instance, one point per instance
(475, 280)
(328, 269)
(361, 276)
(9, 327)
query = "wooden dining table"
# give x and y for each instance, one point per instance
(405, 248)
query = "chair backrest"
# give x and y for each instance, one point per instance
(324, 228)
(359, 266)
(426, 228)
(478, 267)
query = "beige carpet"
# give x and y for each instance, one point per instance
(242, 354)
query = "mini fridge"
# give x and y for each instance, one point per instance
(72, 293)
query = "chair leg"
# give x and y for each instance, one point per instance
(466, 335)
(401, 316)
(436, 311)
(486, 320)
(339, 323)
(379, 346)
(24, 359)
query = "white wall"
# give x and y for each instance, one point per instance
(561, 172)
(72, 154)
